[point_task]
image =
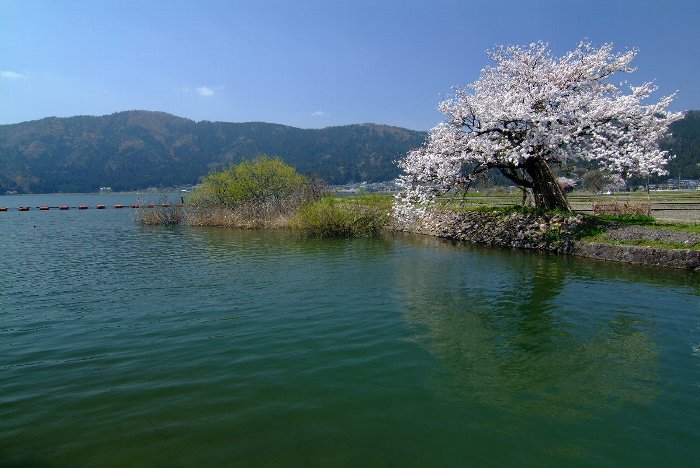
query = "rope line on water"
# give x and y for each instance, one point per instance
(84, 207)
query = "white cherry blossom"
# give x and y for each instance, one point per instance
(531, 111)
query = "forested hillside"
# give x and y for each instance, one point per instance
(138, 149)
(685, 144)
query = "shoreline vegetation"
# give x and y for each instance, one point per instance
(328, 216)
(265, 193)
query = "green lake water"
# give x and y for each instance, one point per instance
(125, 345)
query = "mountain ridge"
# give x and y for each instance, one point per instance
(132, 150)
(136, 149)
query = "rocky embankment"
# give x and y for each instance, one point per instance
(559, 233)
(685, 258)
(555, 233)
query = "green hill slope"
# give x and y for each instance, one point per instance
(685, 144)
(137, 149)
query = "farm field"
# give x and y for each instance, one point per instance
(672, 206)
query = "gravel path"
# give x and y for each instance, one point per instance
(642, 233)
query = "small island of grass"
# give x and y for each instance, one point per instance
(266, 193)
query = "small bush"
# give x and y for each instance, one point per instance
(621, 208)
(262, 193)
(266, 185)
(333, 217)
(160, 215)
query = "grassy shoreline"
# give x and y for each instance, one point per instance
(364, 215)
(368, 215)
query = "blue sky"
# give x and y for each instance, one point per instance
(309, 63)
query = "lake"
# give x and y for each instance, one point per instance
(127, 345)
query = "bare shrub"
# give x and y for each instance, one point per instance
(621, 208)
(242, 216)
(164, 214)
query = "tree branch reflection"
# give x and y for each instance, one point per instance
(504, 335)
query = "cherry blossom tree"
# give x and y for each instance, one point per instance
(531, 112)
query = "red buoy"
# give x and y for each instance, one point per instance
(100, 207)
(151, 205)
(82, 207)
(2, 208)
(23, 208)
(165, 205)
(119, 205)
(43, 208)
(135, 205)
(64, 207)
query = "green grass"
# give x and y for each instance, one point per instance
(591, 231)
(370, 200)
(583, 197)
(648, 243)
(654, 196)
(694, 228)
(504, 210)
(638, 220)
(596, 226)
(361, 216)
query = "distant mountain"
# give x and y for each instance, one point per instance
(138, 149)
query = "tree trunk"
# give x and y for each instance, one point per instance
(546, 192)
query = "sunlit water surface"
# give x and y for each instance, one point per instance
(124, 345)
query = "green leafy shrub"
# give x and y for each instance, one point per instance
(263, 184)
(334, 217)
(264, 192)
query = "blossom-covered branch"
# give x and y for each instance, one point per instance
(531, 111)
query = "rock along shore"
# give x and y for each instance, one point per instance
(552, 233)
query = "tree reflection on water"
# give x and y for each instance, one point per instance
(513, 334)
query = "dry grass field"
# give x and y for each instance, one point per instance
(671, 206)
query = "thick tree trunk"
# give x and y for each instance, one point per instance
(546, 192)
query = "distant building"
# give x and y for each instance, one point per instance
(566, 185)
(105, 189)
(682, 184)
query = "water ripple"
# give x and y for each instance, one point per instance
(146, 346)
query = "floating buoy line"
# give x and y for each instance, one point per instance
(85, 207)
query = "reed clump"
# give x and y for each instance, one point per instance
(364, 216)
(163, 215)
(242, 217)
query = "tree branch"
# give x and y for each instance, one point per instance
(510, 173)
